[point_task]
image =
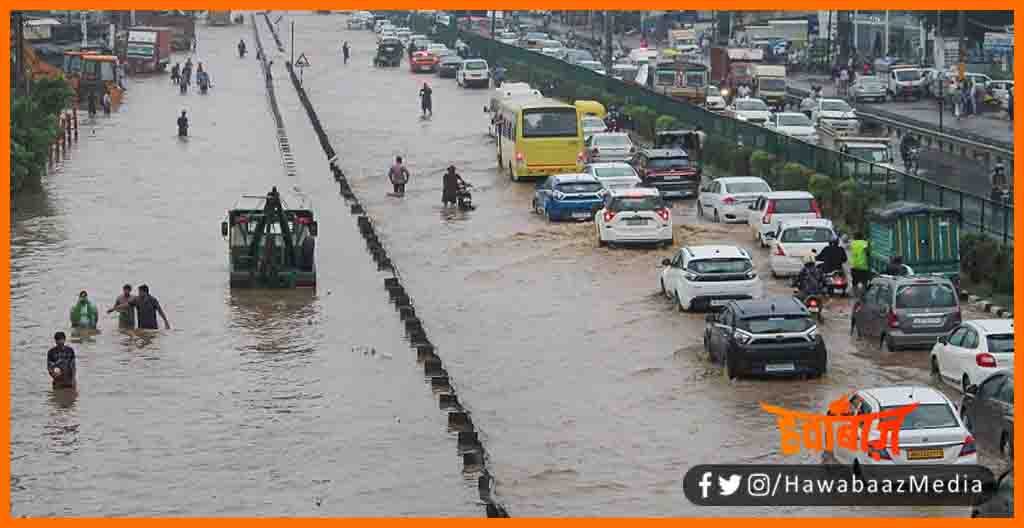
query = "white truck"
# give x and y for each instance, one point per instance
(874, 164)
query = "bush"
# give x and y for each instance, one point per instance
(980, 255)
(741, 160)
(644, 118)
(761, 163)
(666, 122)
(821, 187)
(794, 176)
(34, 125)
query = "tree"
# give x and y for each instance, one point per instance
(34, 126)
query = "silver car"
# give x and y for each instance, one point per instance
(609, 146)
(906, 311)
(868, 88)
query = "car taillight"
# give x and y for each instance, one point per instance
(664, 214)
(817, 210)
(892, 320)
(728, 200)
(812, 302)
(778, 251)
(985, 360)
(768, 213)
(969, 447)
(520, 158)
(608, 216)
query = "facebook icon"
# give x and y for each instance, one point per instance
(705, 483)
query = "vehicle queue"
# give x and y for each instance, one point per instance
(587, 171)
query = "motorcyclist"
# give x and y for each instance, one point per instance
(451, 184)
(832, 257)
(809, 281)
(241, 48)
(999, 174)
(499, 75)
(425, 100)
(908, 143)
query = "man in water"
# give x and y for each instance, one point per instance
(241, 48)
(399, 176)
(60, 363)
(344, 51)
(425, 100)
(126, 318)
(182, 125)
(450, 187)
(83, 313)
(148, 307)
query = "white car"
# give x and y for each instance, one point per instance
(751, 110)
(795, 240)
(437, 50)
(614, 174)
(609, 146)
(709, 277)
(636, 215)
(473, 72)
(592, 125)
(729, 199)
(795, 125)
(771, 209)
(715, 103)
(973, 351)
(835, 114)
(933, 433)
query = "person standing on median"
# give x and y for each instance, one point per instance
(147, 308)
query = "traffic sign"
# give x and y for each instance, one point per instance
(303, 62)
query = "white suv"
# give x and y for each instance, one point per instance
(636, 216)
(709, 277)
(771, 209)
(473, 72)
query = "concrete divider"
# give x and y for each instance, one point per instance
(448, 401)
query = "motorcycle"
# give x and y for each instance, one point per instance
(912, 161)
(1002, 196)
(836, 284)
(813, 302)
(463, 198)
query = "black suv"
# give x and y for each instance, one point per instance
(669, 170)
(770, 336)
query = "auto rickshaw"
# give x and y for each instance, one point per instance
(389, 53)
(926, 236)
(101, 73)
(73, 66)
(594, 108)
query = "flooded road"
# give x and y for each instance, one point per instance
(282, 403)
(588, 388)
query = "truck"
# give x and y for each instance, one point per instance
(146, 49)
(679, 79)
(218, 18)
(870, 160)
(770, 84)
(731, 67)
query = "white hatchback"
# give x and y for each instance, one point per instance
(771, 209)
(932, 433)
(634, 216)
(973, 351)
(796, 240)
(728, 199)
(709, 277)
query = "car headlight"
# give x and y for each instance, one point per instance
(741, 118)
(751, 275)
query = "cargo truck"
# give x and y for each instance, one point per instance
(146, 49)
(770, 84)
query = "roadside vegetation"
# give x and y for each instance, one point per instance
(34, 125)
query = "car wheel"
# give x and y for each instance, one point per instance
(936, 373)
(512, 174)
(964, 383)
(716, 218)
(1006, 446)
(822, 366)
(732, 370)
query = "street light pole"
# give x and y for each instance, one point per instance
(293, 43)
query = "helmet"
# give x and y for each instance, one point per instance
(809, 260)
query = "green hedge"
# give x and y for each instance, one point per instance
(34, 125)
(980, 256)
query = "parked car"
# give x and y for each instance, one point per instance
(473, 72)
(1001, 504)
(930, 434)
(568, 196)
(796, 240)
(868, 88)
(608, 146)
(973, 351)
(634, 216)
(592, 125)
(1000, 90)
(709, 277)
(907, 311)
(987, 412)
(669, 170)
(729, 199)
(794, 124)
(448, 66)
(774, 335)
(751, 110)
(614, 174)
(771, 209)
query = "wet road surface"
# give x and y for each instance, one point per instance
(588, 387)
(282, 403)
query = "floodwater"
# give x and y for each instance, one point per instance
(587, 387)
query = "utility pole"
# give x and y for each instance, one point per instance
(608, 29)
(961, 28)
(293, 43)
(886, 45)
(828, 42)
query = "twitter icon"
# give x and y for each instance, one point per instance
(728, 486)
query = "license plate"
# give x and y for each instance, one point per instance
(636, 221)
(718, 302)
(928, 321)
(580, 215)
(779, 367)
(925, 454)
(672, 177)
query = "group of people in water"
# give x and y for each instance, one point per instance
(181, 76)
(452, 184)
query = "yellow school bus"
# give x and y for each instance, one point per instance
(538, 138)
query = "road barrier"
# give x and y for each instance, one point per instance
(282, 137)
(978, 213)
(472, 451)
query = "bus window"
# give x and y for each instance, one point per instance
(550, 122)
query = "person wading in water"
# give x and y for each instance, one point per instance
(60, 363)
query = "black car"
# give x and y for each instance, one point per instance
(669, 170)
(987, 411)
(770, 336)
(1001, 503)
(448, 66)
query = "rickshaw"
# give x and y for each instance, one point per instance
(389, 53)
(926, 236)
(101, 73)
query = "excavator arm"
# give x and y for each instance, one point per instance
(273, 211)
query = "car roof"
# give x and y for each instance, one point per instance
(806, 222)
(904, 395)
(610, 164)
(780, 114)
(634, 192)
(665, 153)
(778, 305)
(902, 280)
(611, 134)
(993, 326)
(708, 252)
(831, 99)
(740, 179)
(782, 195)
(581, 177)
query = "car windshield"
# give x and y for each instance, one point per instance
(794, 120)
(476, 65)
(724, 265)
(772, 84)
(678, 162)
(908, 75)
(636, 203)
(550, 122)
(874, 155)
(747, 187)
(1000, 343)
(666, 77)
(593, 122)
(925, 296)
(611, 140)
(752, 105)
(835, 106)
(793, 206)
(925, 416)
(807, 235)
(614, 172)
(776, 325)
(578, 187)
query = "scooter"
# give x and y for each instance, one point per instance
(463, 198)
(813, 303)
(835, 281)
(913, 160)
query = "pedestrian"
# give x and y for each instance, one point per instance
(1009, 104)
(979, 98)
(92, 104)
(399, 176)
(126, 316)
(147, 308)
(60, 362)
(426, 102)
(859, 268)
(176, 74)
(844, 79)
(83, 313)
(106, 103)
(195, 43)
(345, 51)
(182, 125)
(701, 137)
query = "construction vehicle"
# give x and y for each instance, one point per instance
(100, 73)
(218, 18)
(270, 245)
